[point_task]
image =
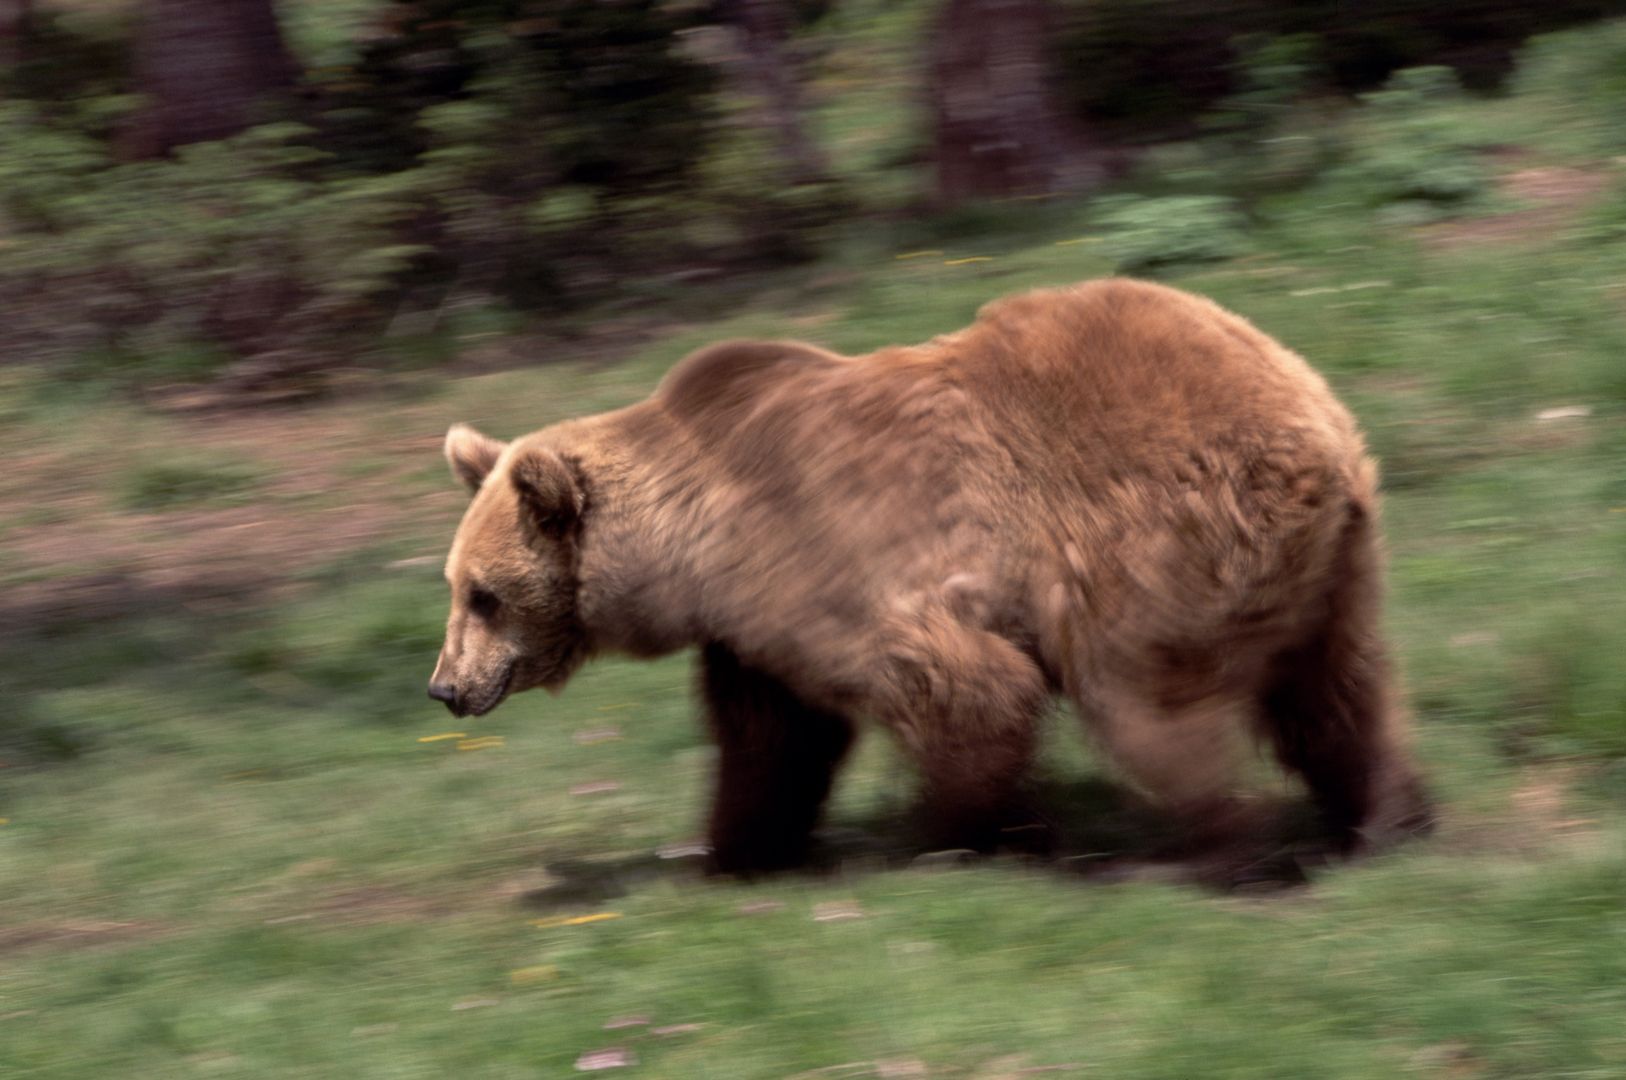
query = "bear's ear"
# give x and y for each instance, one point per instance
(471, 454)
(548, 492)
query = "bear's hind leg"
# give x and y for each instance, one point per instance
(777, 759)
(1328, 708)
(1330, 717)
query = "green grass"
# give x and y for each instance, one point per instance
(171, 484)
(227, 853)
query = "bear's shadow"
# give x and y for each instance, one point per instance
(1085, 829)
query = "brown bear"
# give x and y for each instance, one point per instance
(1115, 491)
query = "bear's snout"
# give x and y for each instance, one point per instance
(447, 694)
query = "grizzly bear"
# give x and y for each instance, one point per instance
(1116, 491)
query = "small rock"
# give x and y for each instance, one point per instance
(837, 910)
(760, 907)
(613, 1058)
(676, 1029)
(1565, 412)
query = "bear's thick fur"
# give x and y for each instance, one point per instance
(1115, 491)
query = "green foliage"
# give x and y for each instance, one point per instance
(503, 159)
(67, 54)
(503, 154)
(231, 249)
(1579, 76)
(546, 141)
(1410, 155)
(1273, 73)
(1273, 133)
(1147, 233)
(1409, 92)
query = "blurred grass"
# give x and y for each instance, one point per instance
(227, 853)
(163, 485)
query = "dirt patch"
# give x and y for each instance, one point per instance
(369, 905)
(1554, 194)
(80, 934)
(326, 486)
(375, 904)
(1538, 819)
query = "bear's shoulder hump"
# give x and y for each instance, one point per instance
(724, 375)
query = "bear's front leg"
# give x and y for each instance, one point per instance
(777, 758)
(967, 703)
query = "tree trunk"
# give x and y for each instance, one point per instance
(14, 17)
(207, 69)
(997, 131)
(763, 27)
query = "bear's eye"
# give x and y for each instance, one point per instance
(483, 603)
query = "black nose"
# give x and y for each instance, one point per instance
(444, 692)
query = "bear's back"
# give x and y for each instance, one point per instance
(1055, 398)
(1118, 377)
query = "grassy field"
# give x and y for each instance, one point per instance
(228, 849)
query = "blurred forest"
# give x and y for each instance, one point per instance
(266, 191)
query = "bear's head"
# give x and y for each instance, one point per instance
(512, 570)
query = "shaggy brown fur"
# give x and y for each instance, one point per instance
(1116, 491)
